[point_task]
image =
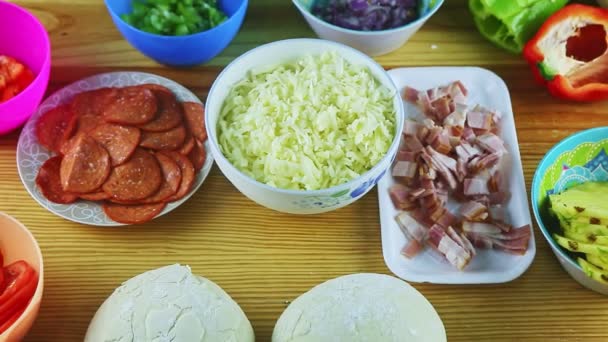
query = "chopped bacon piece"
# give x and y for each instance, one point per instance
(458, 117)
(411, 143)
(480, 120)
(443, 170)
(469, 135)
(515, 242)
(476, 186)
(412, 248)
(410, 94)
(458, 92)
(404, 169)
(442, 143)
(485, 162)
(399, 194)
(461, 169)
(500, 197)
(481, 228)
(432, 135)
(441, 108)
(406, 156)
(461, 240)
(453, 252)
(448, 219)
(411, 127)
(474, 211)
(411, 227)
(422, 216)
(491, 143)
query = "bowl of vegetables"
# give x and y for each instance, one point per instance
(25, 64)
(21, 279)
(375, 27)
(178, 33)
(570, 204)
(304, 126)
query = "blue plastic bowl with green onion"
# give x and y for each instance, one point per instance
(170, 31)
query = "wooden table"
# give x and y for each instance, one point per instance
(264, 258)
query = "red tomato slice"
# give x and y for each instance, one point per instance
(21, 284)
(9, 92)
(4, 326)
(2, 284)
(24, 79)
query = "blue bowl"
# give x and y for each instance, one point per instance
(579, 158)
(181, 50)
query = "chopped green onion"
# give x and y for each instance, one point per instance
(175, 17)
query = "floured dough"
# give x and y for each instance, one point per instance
(169, 304)
(360, 307)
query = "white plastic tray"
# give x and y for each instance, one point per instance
(488, 266)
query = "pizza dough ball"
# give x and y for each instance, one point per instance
(169, 304)
(360, 307)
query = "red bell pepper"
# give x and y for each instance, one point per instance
(569, 53)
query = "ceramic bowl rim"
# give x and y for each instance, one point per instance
(419, 20)
(548, 160)
(368, 62)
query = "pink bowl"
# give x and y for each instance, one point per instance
(17, 243)
(23, 37)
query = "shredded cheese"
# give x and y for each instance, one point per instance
(311, 124)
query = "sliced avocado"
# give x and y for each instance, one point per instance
(592, 271)
(598, 261)
(585, 200)
(581, 247)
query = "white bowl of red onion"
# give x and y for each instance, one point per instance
(375, 27)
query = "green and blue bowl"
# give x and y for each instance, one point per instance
(581, 157)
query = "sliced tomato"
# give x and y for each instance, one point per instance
(24, 80)
(2, 284)
(9, 92)
(21, 281)
(12, 319)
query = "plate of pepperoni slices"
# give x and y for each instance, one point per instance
(114, 149)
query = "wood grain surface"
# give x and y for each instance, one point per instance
(262, 258)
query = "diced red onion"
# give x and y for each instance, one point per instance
(367, 15)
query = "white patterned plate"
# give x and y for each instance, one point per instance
(31, 155)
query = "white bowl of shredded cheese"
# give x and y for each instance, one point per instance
(304, 126)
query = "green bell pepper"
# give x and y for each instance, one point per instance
(511, 23)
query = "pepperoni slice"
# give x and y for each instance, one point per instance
(198, 155)
(49, 184)
(195, 117)
(157, 87)
(119, 141)
(93, 102)
(188, 144)
(172, 178)
(52, 125)
(136, 179)
(169, 113)
(85, 166)
(188, 174)
(167, 140)
(132, 214)
(131, 106)
(98, 195)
